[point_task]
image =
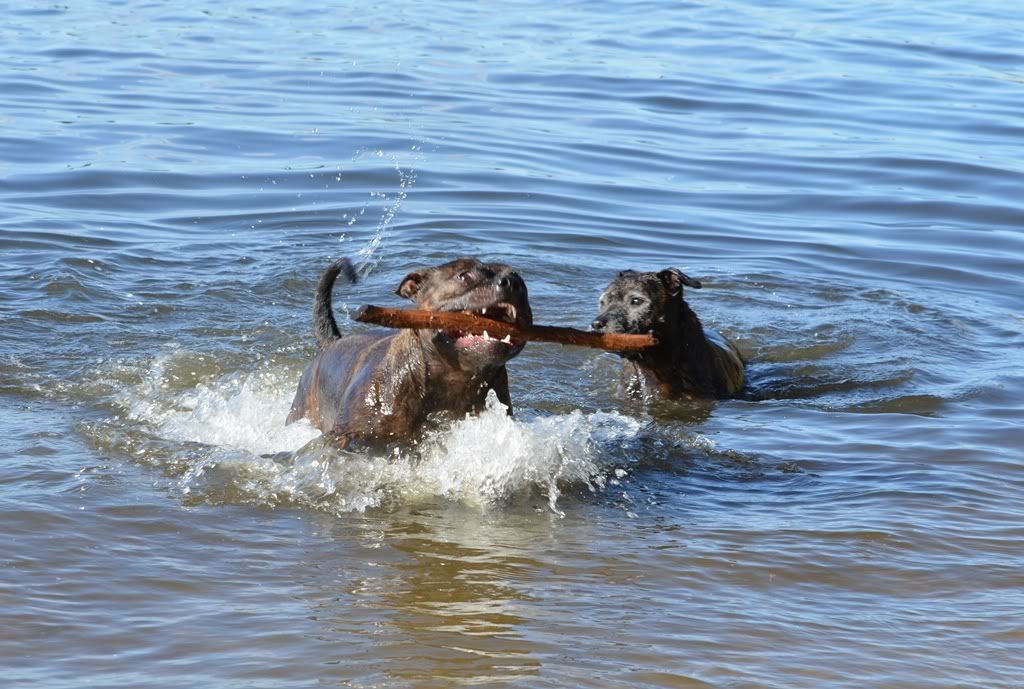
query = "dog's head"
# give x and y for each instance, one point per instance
(640, 303)
(491, 290)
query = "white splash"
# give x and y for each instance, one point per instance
(251, 456)
(485, 459)
(370, 255)
(238, 412)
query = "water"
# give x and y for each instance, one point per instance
(846, 180)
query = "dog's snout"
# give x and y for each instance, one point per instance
(598, 324)
(509, 283)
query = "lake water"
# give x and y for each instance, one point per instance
(847, 180)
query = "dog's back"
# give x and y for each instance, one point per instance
(729, 369)
(321, 393)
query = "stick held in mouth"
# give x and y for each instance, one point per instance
(453, 320)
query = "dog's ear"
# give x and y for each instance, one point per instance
(674, 279)
(410, 285)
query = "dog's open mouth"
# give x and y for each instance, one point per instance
(502, 312)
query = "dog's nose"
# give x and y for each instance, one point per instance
(598, 324)
(511, 283)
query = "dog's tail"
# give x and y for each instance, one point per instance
(325, 328)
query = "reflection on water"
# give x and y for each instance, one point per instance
(456, 611)
(448, 592)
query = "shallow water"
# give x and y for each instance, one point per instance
(846, 181)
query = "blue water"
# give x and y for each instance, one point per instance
(845, 180)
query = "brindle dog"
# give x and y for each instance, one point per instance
(689, 361)
(377, 387)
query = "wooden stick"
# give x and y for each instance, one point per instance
(453, 320)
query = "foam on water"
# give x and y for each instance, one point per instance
(250, 456)
(488, 458)
(238, 412)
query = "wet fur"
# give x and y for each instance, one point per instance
(689, 361)
(377, 387)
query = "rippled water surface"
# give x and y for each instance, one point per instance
(846, 180)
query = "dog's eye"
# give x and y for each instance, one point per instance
(465, 276)
(636, 301)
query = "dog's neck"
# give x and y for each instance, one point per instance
(442, 383)
(681, 363)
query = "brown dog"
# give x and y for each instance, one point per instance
(377, 387)
(689, 361)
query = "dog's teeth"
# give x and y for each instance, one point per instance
(483, 312)
(507, 339)
(512, 309)
(486, 336)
